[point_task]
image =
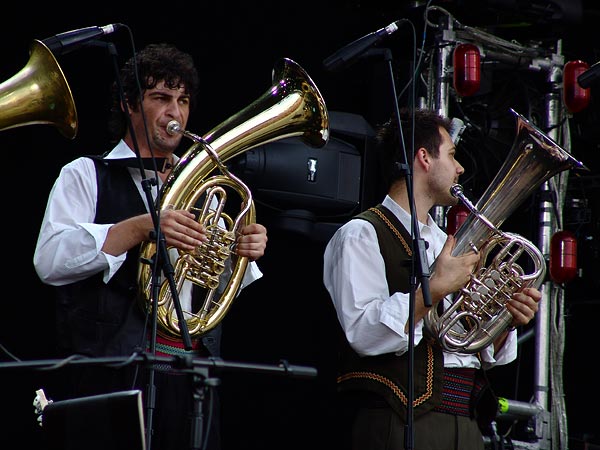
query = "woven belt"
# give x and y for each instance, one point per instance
(169, 347)
(456, 394)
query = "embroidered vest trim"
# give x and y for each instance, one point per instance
(387, 375)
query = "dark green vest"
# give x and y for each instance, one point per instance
(387, 375)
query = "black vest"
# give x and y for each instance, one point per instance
(387, 375)
(105, 319)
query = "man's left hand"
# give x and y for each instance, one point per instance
(252, 241)
(523, 306)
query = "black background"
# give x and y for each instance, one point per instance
(287, 314)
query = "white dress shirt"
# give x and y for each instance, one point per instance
(372, 320)
(69, 244)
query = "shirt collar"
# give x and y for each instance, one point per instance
(403, 215)
(122, 151)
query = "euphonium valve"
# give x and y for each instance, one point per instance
(206, 263)
(201, 183)
(477, 314)
(479, 309)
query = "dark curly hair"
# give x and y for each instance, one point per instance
(426, 134)
(154, 63)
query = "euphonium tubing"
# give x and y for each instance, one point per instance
(291, 107)
(478, 314)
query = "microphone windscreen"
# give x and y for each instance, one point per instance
(456, 129)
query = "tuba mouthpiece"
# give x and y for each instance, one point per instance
(456, 190)
(173, 127)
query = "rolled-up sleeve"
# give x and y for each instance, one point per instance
(354, 275)
(69, 244)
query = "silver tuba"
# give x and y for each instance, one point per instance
(291, 107)
(478, 313)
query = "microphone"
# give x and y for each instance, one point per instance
(457, 127)
(351, 52)
(63, 43)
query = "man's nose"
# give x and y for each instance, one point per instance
(174, 110)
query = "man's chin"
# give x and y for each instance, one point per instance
(168, 144)
(451, 201)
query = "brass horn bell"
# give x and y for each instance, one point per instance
(38, 94)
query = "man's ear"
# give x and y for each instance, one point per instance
(130, 109)
(423, 158)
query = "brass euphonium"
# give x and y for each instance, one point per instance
(38, 94)
(478, 313)
(291, 107)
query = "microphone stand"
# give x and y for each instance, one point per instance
(420, 268)
(161, 259)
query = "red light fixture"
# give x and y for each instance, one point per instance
(467, 69)
(575, 97)
(563, 257)
(456, 216)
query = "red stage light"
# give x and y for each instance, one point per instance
(575, 97)
(563, 257)
(456, 216)
(467, 70)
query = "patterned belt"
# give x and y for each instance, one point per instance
(456, 394)
(169, 347)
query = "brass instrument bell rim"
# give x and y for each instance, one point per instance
(70, 126)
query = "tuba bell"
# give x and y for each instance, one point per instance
(38, 94)
(478, 314)
(291, 107)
